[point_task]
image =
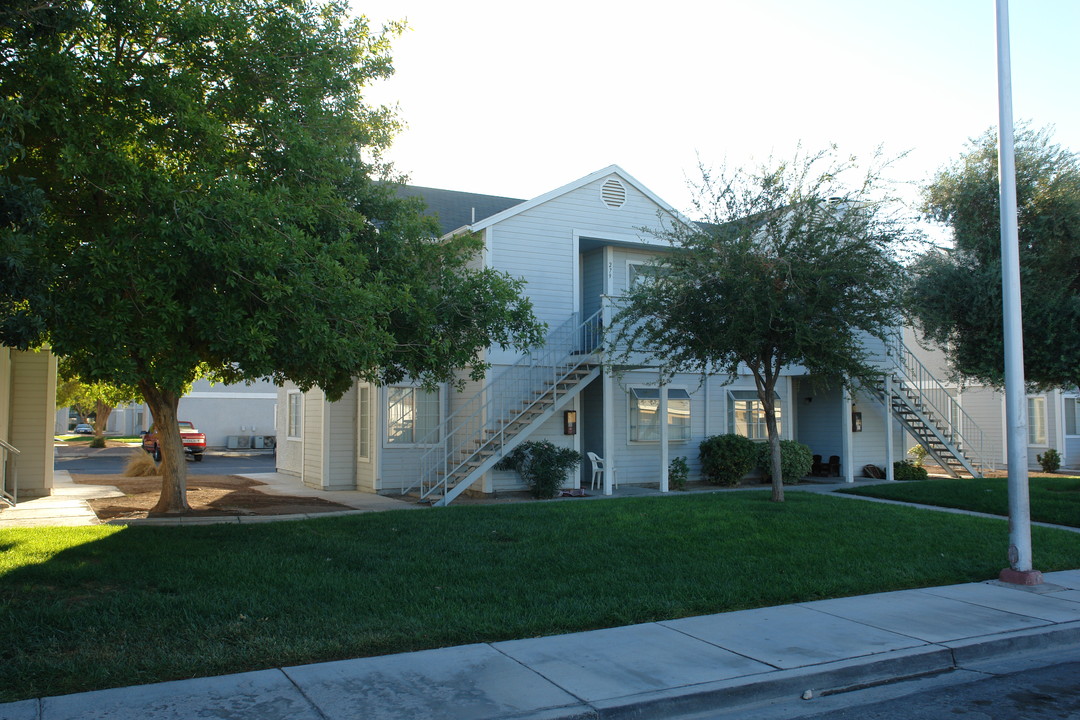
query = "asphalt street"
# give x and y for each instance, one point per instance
(110, 461)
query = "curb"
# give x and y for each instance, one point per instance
(827, 679)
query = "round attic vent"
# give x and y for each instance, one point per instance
(613, 193)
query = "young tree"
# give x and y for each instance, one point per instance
(99, 398)
(794, 264)
(956, 293)
(202, 187)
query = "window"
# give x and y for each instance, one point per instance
(294, 416)
(412, 415)
(746, 415)
(363, 422)
(1037, 420)
(642, 273)
(1072, 416)
(645, 411)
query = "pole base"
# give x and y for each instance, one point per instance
(1021, 577)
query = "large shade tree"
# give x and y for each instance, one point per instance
(956, 295)
(794, 264)
(200, 185)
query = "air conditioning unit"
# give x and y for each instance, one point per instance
(232, 442)
(243, 442)
(258, 442)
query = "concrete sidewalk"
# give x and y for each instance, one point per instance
(656, 670)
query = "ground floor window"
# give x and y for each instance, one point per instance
(294, 416)
(412, 415)
(645, 415)
(363, 422)
(746, 415)
(1072, 416)
(1037, 420)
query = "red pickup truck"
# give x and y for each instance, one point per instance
(194, 441)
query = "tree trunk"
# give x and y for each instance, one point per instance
(163, 404)
(768, 403)
(101, 414)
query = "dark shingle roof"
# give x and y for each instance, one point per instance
(455, 209)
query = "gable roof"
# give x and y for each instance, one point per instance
(456, 209)
(570, 187)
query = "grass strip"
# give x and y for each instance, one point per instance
(1054, 500)
(97, 607)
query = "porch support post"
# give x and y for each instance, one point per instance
(609, 411)
(845, 434)
(890, 430)
(663, 417)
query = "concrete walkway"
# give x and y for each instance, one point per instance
(739, 661)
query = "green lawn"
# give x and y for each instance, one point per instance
(87, 608)
(1054, 500)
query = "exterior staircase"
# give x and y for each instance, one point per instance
(508, 409)
(925, 408)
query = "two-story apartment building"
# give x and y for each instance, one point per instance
(578, 247)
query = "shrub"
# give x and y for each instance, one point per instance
(1050, 461)
(908, 470)
(796, 460)
(919, 453)
(678, 471)
(725, 459)
(98, 441)
(542, 464)
(140, 464)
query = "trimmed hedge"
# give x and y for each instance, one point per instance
(907, 470)
(796, 461)
(725, 459)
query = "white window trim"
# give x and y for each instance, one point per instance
(361, 388)
(300, 415)
(630, 397)
(384, 414)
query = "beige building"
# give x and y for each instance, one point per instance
(27, 412)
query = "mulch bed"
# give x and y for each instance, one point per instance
(208, 495)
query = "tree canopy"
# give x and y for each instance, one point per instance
(201, 184)
(956, 296)
(794, 264)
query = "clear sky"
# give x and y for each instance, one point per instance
(515, 99)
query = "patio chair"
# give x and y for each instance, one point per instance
(819, 469)
(598, 471)
(834, 466)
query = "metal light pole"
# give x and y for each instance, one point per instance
(1020, 568)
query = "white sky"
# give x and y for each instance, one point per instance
(516, 99)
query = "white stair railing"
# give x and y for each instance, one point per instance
(962, 434)
(481, 426)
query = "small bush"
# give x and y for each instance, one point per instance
(919, 453)
(678, 471)
(140, 464)
(1049, 461)
(725, 459)
(98, 441)
(542, 464)
(796, 460)
(908, 470)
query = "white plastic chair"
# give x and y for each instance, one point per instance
(598, 471)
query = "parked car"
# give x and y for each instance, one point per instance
(194, 441)
(83, 429)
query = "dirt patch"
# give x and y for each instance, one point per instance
(208, 495)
